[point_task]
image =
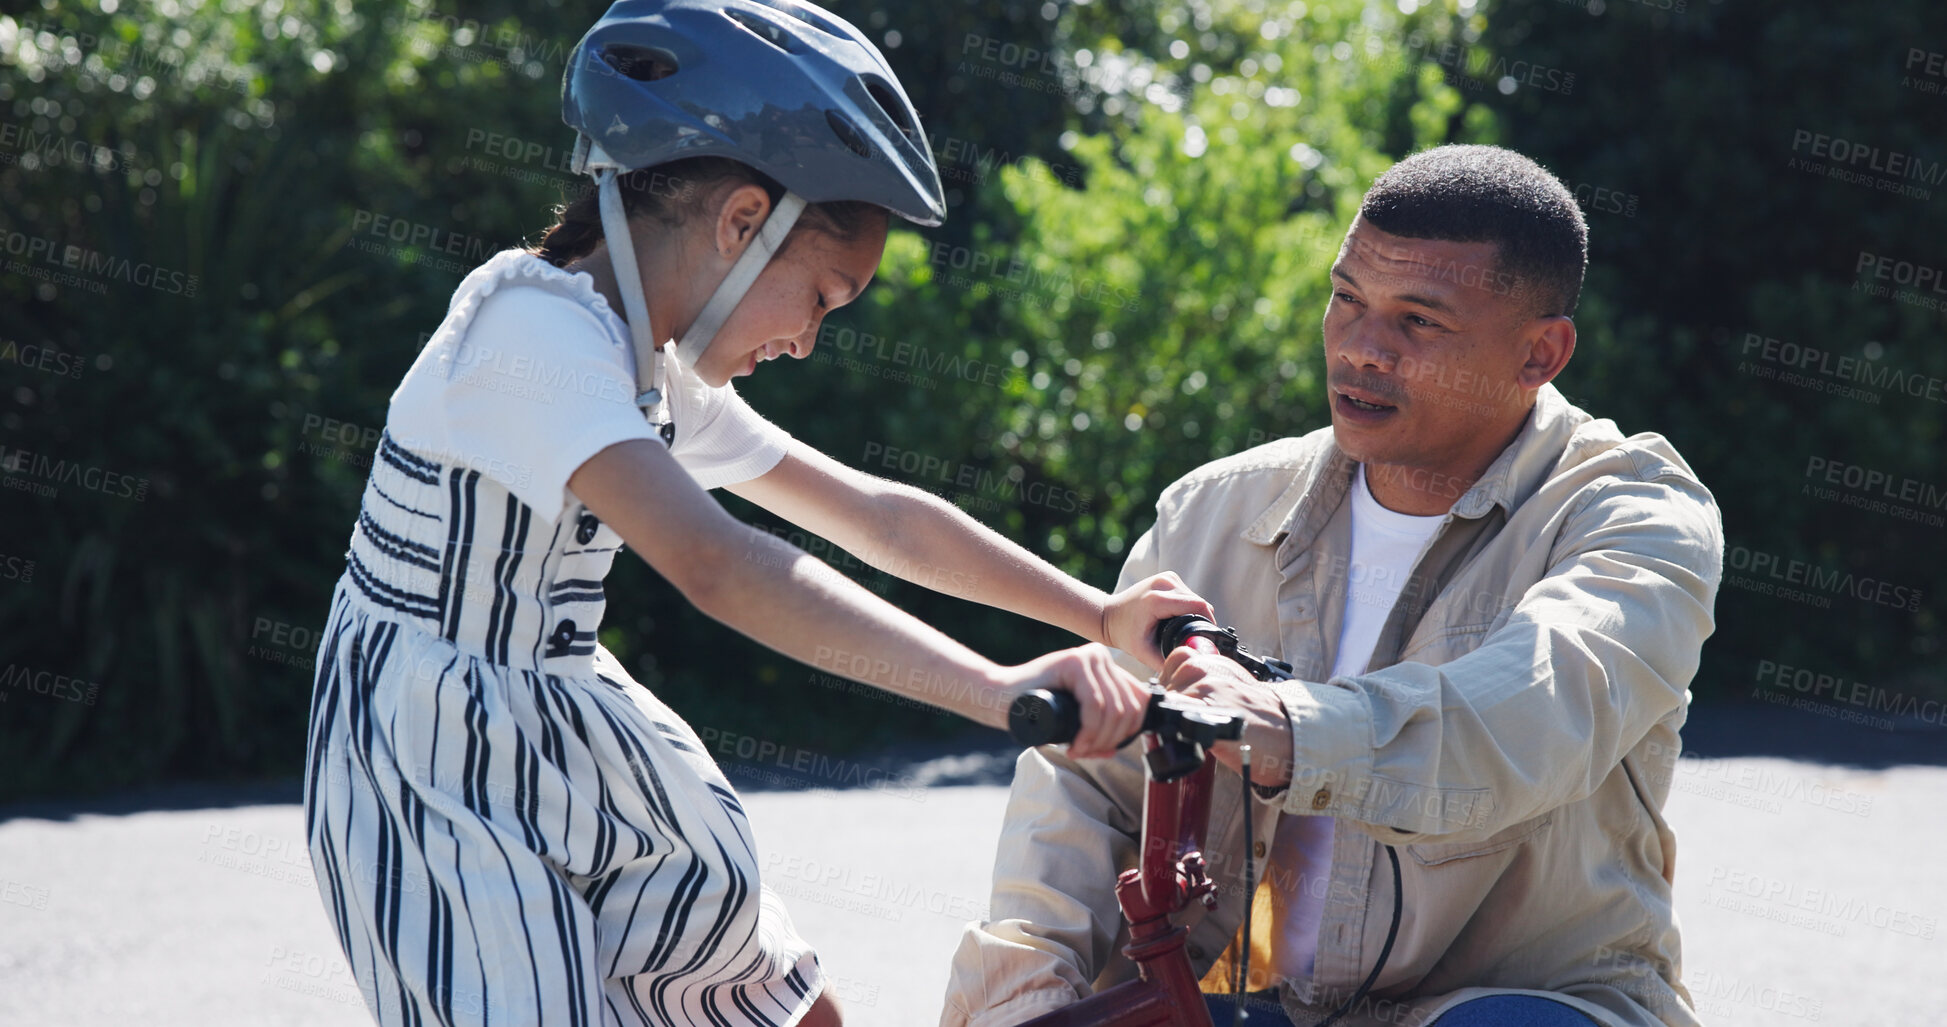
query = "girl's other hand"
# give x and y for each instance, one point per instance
(1129, 618)
(1112, 701)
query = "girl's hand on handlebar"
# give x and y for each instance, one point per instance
(1129, 618)
(1112, 701)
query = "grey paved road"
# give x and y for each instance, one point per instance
(1808, 895)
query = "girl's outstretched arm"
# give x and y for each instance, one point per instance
(780, 596)
(926, 540)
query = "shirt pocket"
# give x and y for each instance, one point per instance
(1442, 853)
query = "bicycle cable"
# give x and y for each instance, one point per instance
(1250, 892)
(1384, 951)
(1243, 975)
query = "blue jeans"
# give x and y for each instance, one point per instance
(1262, 1009)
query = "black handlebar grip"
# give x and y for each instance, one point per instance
(1179, 630)
(1041, 717)
(1171, 634)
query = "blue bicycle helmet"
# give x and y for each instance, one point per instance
(779, 85)
(782, 86)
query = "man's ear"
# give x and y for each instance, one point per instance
(739, 216)
(1550, 342)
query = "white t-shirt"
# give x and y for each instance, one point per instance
(1385, 547)
(529, 376)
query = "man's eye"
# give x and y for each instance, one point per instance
(1421, 321)
(1344, 297)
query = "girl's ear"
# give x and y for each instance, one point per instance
(739, 216)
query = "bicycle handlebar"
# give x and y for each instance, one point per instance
(1042, 716)
(1186, 629)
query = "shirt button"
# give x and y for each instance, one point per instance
(1196, 952)
(585, 528)
(1322, 798)
(1258, 850)
(564, 634)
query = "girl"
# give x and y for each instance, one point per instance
(505, 826)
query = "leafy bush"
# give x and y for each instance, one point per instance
(1145, 197)
(1715, 235)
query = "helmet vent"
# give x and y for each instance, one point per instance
(639, 62)
(809, 15)
(847, 134)
(764, 30)
(888, 102)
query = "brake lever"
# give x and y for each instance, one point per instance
(1180, 716)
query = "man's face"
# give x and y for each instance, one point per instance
(1425, 352)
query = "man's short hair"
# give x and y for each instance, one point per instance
(1490, 194)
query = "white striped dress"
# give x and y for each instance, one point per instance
(504, 826)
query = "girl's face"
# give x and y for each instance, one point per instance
(815, 273)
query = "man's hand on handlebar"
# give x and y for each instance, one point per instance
(1130, 616)
(1112, 702)
(1219, 681)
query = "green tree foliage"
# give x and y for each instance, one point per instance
(197, 166)
(1711, 130)
(1144, 198)
(1143, 301)
(308, 180)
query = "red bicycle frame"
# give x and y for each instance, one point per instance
(1169, 875)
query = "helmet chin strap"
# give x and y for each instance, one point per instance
(628, 277)
(745, 271)
(628, 281)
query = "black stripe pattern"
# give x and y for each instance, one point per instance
(452, 552)
(504, 826)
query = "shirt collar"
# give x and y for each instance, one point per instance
(1320, 481)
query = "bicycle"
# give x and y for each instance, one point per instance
(1178, 733)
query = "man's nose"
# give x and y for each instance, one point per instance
(1363, 350)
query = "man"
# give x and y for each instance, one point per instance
(1494, 604)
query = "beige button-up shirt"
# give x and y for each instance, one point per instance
(1513, 737)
